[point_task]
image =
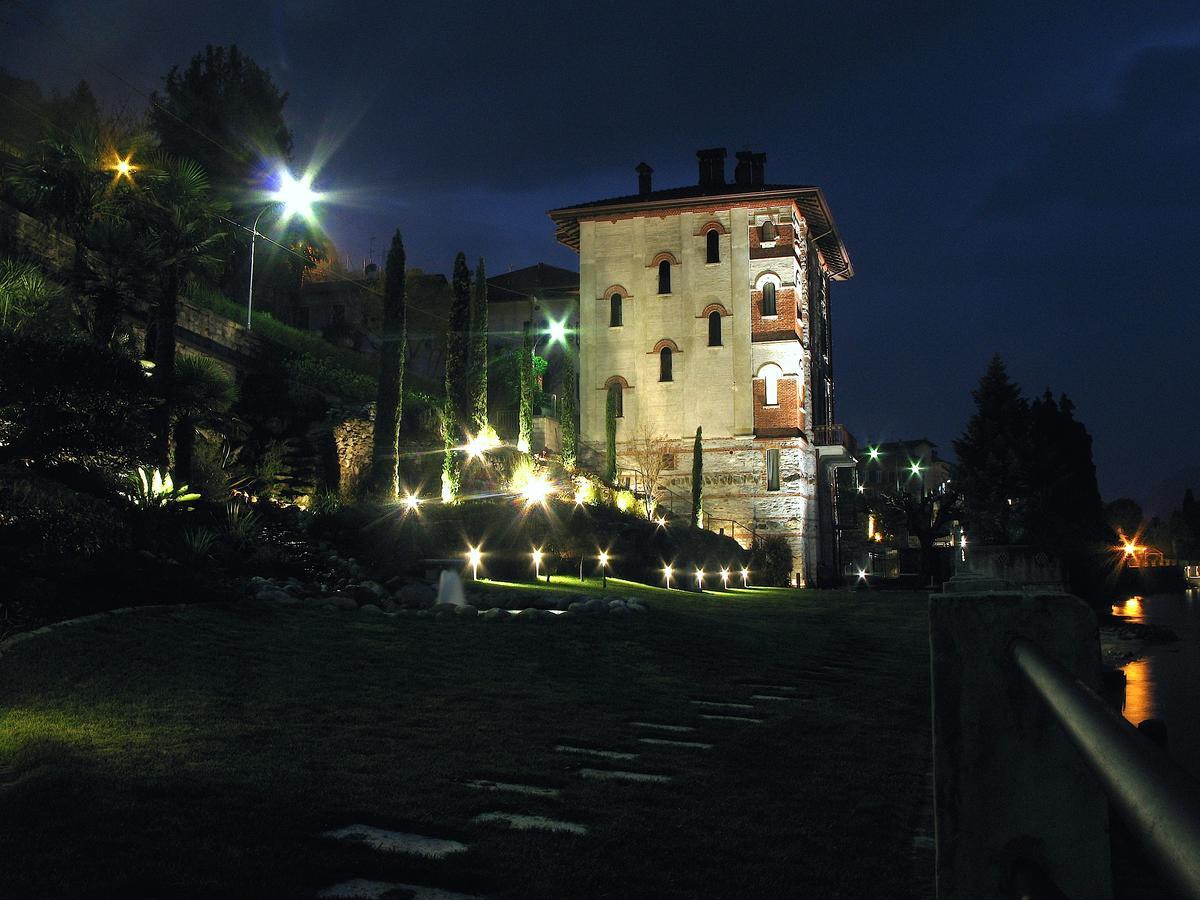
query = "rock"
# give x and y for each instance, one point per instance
(258, 582)
(636, 607)
(370, 608)
(343, 603)
(616, 604)
(388, 605)
(395, 583)
(424, 613)
(529, 615)
(495, 614)
(621, 610)
(367, 591)
(576, 608)
(595, 605)
(443, 607)
(273, 595)
(467, 611)
(416, 596)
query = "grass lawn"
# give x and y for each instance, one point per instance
(200, 752)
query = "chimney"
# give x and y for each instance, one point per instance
(741, 174)
(758, 162)
(712, 167)
(644, 173)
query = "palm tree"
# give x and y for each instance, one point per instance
(118, 271)
(182, 221)
(203, 395)
(25, 291)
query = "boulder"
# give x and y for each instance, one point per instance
(576, 608)
(467, 611)
(274, 595)
(616, 604)
(341, 602)
(495, 614)
(634, 606)
(621, 610)
(416, 596)
(529, 615)
(595, 605)
(370, 608)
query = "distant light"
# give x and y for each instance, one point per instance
(861, 488)
(473, 557)
(124, 168)
(745, 577)
(411, 502)
(668, 571)
(296, 195)
(603, 559)
(873, 452)
(915, 468)
(725, 577)
(537, 562)
(862, 574)
(700, 579)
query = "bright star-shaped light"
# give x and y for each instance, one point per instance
(557, 331)
(915, 468)
(873, 452)
(536, 490)
(296, 195)
(411, 502)
(745, 577)
(123, 167)
(603, 559)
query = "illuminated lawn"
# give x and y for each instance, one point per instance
(199, 753)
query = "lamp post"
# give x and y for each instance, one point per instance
(603, 570)
(297, 196)
(667, 570)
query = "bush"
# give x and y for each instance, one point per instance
(771, 561)
(44, 518)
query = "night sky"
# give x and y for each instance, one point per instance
(1007, 178)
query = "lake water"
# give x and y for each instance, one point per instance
(1165, 682)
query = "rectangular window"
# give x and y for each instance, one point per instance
(772, 470)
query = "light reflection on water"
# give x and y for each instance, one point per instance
(1165, 682)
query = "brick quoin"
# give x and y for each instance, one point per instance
(784, 420)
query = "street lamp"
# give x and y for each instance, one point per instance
(537, 563)
(745, 577)
(724, 579)
(667, 570)
(473, 557)
(603, 570)
(700, 580)
(297, 197)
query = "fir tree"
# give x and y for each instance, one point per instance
(385, 459)
(697, 480)
(566, 410)
(992, 457)
(610, 436)
(456, 412)
(525, 411)
(479, 352)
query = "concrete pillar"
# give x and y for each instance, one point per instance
(1009, 785)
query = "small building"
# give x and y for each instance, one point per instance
(709, 305)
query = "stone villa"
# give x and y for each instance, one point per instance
(708, 305)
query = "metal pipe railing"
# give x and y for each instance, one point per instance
(1146, 787)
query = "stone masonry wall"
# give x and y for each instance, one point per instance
(353, 430)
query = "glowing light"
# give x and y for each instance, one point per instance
(745, 577)
(481, 444)
(862, 574)
(536, 490)
(523, 445)
(700, 579)
(660, 522)
(585, 491)
(624, 500)
(557, 331)
(873, 453)
(861, 488)
(296, 195)
(411, 502)
(915, 468)
(725, 578)
(473, 557)
(603, 559)
(124, 168)
(668, 571)
(537, 562)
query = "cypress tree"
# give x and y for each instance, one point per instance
(479, 351)
(385, 459)
(456, 413)
(610, 437)
(566, 410)
(525, 412)
(697, 480)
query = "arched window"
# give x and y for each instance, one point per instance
(713, 244)
(615, 391)
(768, 299)
(614, 311)
(664, 277)
(770, 375)
(766, 232)
(664, 364)
(714, 328)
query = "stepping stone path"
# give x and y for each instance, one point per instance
(772, 687)
(717, 704)
(663, 742)
(771, 697)
(531, 823)
(662, 727)
(513, 788)
(714, 718)
(617, 775)
(603, 754)
(370, 890)
(397, 841)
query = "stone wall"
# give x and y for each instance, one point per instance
(353, 430)
(1028, 568)
(25, 236)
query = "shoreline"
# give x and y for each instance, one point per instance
(1123, 641)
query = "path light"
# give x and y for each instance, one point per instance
(411, 502)
(473, 557)
(660, 522)
(725, 579)
(603, 569)
(479, 445)
(700, 580)
(537, 563)
(667, 571)
(745, 577)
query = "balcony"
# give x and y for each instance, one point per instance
(835, 445)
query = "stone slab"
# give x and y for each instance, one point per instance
(510, 787)
(720, 704)
(588, 751)
(397, 841)
(365, 889)
(663, 742)
(660, 727)
(531, 823)
(717, 718)
(617, 775)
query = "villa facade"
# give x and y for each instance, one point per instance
(708, 305)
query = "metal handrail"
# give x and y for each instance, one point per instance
(1148, 789)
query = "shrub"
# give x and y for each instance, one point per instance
(43, 517)
(771, 561)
